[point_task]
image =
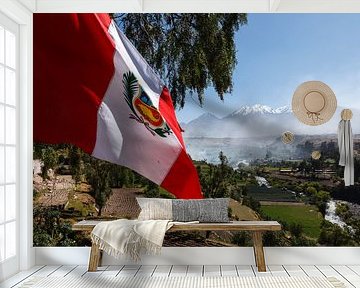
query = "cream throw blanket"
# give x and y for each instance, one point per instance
(346, 150)
(130, 237)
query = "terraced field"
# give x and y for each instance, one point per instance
(307, 215)
(271, 194)
(122, 203)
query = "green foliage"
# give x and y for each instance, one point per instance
(165, 194)
(274, 238)
(305, 215)
(36, 194)
(343, 211)
(217, 180)
(241, 239)
(355, 224)
(83, 209)
(98, 176)
(252, 203)
(270, 194)
(75, 156)
(296, 229)
(190, 51)
(230, 212)
(50, 160)
(311, 191)
(37, 150)
(334, 235)
(152, 190)
(120, 176)
(51, 230)
(321, 199)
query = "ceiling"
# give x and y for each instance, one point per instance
(250, 6)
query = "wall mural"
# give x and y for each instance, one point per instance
(252, 146)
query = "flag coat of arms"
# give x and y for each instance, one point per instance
(94, 90)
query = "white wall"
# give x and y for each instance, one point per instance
(22, 16)
(210, 256)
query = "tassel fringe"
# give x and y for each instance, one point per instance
(133, 248)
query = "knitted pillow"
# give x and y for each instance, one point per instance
(155, 208)
(204, 210)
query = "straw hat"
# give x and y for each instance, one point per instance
(287, 137)
(314, 103)
(316, 155)
(346, 114)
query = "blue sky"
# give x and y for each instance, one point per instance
(277, 52)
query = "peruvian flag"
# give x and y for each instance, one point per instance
(94, 90)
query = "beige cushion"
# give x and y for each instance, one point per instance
(155, 208)
(202, 210)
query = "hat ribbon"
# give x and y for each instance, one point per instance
(315, 116)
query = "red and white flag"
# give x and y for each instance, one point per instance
(93, 89)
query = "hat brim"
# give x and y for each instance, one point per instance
(299, 109)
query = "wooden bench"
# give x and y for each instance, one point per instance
(256, 227)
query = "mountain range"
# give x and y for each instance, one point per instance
(260, 121)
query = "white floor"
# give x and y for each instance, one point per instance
(350, 275)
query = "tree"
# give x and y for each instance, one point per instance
(190, 51)
(334, 235)
(50, 160)
(216, 181)
(321, 199)
(51, 230)
(75, 159)
(98, 176)
(152, 190)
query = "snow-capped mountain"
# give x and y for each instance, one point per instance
(206, 123)
(259, 109)
(251, 131)
(260, 121)
(283, 109)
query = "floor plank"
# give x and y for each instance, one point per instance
(129, 270)
(355, 268)
(78, 271)
(278, 270)
(195, 271)
(178, 270)
(62, 271)
(349, 274)
(328, 271)
(100, 270)
(261, 274)
(245, 271)
(294, 271)
(47, 271)
(229, 270)
(162, 271)
(212, 270)
(20, 277)
(311, 271)
(146, 271)
(112, 270)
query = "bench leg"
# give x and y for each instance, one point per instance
(259, 251)
(94, 258)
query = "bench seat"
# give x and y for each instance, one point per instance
(256, 227)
